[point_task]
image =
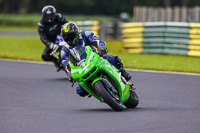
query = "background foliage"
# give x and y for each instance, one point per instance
(87, 7)
(22, 20)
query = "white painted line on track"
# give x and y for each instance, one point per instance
(27, 61)
(136, 70)
(164, 72)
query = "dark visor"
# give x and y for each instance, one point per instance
(70, 36)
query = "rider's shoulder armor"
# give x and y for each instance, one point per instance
(87, 33)
(41, 26)
(41, 23)
(60, 18)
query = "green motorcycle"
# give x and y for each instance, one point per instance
(101, 79)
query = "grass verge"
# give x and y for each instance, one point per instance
(30, 48)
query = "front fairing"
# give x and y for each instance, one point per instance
(80, 73)
(87, 71)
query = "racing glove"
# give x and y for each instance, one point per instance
(53, 46)
(102, 50)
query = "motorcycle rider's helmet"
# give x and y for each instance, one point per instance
(69, 32)
(48, 13)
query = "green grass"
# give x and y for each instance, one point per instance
(30, 48)
(27, 48)
(18, 28)
(161, 62)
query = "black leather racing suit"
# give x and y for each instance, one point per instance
(48, 33)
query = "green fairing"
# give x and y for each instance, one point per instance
(90, 71)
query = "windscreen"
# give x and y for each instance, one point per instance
(77, 54)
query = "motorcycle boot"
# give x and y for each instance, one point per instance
(125, 74)
(58, 65)
(80, 91)
(120, 67)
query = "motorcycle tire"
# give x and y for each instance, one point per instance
(133, 100)
(107, 98)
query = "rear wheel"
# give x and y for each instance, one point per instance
(133, 100)
(108, 96)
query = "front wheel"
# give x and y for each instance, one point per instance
(133, 100)
(107, 97)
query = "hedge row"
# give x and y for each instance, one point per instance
(32, 20)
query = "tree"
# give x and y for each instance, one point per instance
(167, 3)
(183, 2)
(10, 6)
(88, 7)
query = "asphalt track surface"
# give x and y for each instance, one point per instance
(17, 33)
(34, 98)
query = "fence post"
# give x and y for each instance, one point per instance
(136, 13)
(102, 30)
(150, 14)
(191, 15)
(197, 10)
(176, 14)
(183, 14)
(144, 14)
(168, 14)
(162, 14)
(119, 31)
(140, 14)
(155, 14)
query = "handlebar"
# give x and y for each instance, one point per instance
(61, 45)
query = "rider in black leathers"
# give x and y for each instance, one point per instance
(49, 27)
